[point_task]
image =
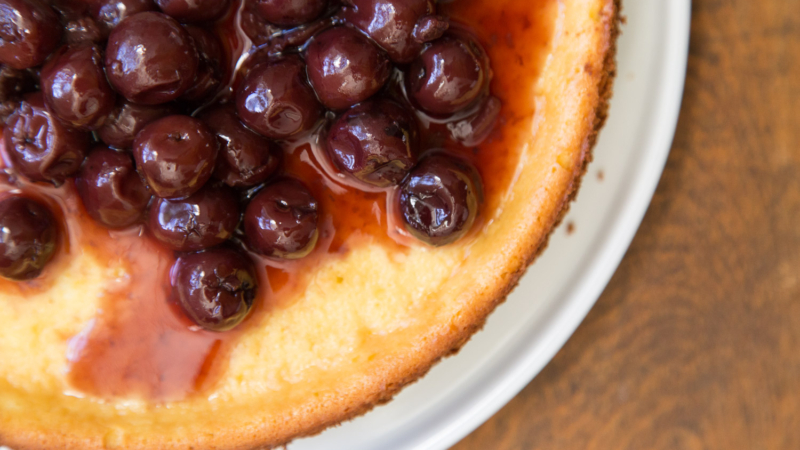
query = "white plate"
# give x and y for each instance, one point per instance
(555, 295)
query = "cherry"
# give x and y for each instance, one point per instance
(75, 87)
(13, 84)
(109, 13)
(448, 76)
(194, 10)
(391, 24)
(215, 288)
(29, 31)
(127, 119)
(281, 220)
(245, 158)
(28, 238)
(176, 155)
(205, 219)
(473, 129)
(39, 146)
(376, 142)
(162, 73)
(111, 190)
(439, 199)
(276, 101)
(287, 13)
(345, 67)
(210, 70)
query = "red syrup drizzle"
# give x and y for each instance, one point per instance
(140, 345)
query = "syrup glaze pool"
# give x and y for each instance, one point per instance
(141, 345)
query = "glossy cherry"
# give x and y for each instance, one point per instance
(28, 239)
(111, 190)
(109, 13)
(473, 129)
(376, 142)
(194, 10)
(176, 155)
(40, 147)
(75, 87)
(127, 119)
(29, 32)
(245, 158)
(439, 199)
(205, 219)
(391, 23)
(13, 84)
(281, 220)
(162, 73)
(345, 67)
(210, 70)
(215, 288)
(287, 13)
(276, 100)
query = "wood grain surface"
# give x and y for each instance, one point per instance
(695, 344)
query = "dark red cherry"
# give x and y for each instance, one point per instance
(215, 288)
(40, 147)
(127, 119)
(439, 199)
(28, 238)
(345, 67)
(83, 30)
(75, 87)
(175, 155)
(210, 71)
(448, 76)
(256, 27)
(391, 24)
(162, 73)
(13, 84)
(194, 10)
(109, 13)
(430, 28)
(29, 32)
(245, 158)
(376, 142)
(287, 13)
(473, 129)
(205, 219)
(281, 220)
(276, 101)
(111, 190)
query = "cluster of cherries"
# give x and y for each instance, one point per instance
(134, 100)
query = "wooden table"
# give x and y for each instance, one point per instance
(695, 344)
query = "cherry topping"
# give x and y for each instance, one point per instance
(287, 13)
(127, 120)
(111, 190)
(245, 158)
(215, 288)
(75, 87)
(430, 28)
(83, 30)
(162, 73)
(109, 13)
(439, 199)
(29, 31)
(276, 101)
(281, 220)
(448, 76)
(376, 142)
(193, 10)
(391, 24)
(39, 146)
(175, 155)
(28, 238)
(205, 219)
(210, 70)
(345, 67)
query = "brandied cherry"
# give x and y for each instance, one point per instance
(75, 87)
(39, 146)
(345, 67)
(109, 13)
(281, 220)
(175, 155)
(161, 73)
(276, 101)
(111, 190)
(193, 10)
(29, 31)
(391, 24)
(28, 238)
(205, 219)
(448, 76)
(376, 142)
(127, 119)
(288, 13)
(245, 158)
(210, 70)
(215, 288)
(439, 199)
